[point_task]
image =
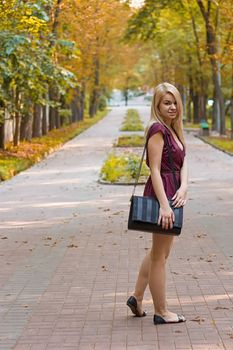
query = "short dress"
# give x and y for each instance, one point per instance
(166, 172)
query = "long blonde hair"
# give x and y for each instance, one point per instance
(177, 123)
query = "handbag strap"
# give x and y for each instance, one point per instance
(171, 163)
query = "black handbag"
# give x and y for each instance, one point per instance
(144, 211)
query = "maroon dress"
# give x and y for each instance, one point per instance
(166, 172)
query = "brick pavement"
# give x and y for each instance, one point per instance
(69, 264)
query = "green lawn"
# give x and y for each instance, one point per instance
(130, 141)
(221, 142)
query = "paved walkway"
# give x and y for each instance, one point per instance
(68, 262)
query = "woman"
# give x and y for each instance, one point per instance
(166, 120)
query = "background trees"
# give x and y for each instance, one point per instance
(60, 59)
(191, 44)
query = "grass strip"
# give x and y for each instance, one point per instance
(222, 143)
(16, 159)
(123, 169)
(132, 121)
(130, 141)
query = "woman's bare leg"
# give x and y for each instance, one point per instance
(161, 248)
(142, 281)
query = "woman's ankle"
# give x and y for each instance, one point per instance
(161, 312)
(139, 297)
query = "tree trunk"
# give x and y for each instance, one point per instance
(196, 107)
(231, 102)
(212, 52)
(202, 107)
(82, 101)
(190, 95)
(2, 135)
(45, 119)
(37, 121)
(17, 119)
(75, 106)
(215, 113)
(95, 92)
(57, 119)
(2, 126)
(26, 127)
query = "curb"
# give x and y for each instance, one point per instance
(102, 182)
(214, 146)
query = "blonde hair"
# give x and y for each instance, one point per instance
(177, 123)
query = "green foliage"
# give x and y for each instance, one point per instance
(102, 103)
(123, 169)
(132, 121)
(65, 115)
(130, 141)
(27, 57)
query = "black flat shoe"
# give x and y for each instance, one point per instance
(160, 320)
(132, 304)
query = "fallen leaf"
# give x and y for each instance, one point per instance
(107, 209)
(47, 238)
(25, 242)
(202, 235)
(221, 308)
(4, 237)
(72, 246)
(178, 331)
(175, 273)
(198, 319)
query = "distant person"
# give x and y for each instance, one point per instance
(166, 119)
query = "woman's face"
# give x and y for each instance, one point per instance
(168, 107)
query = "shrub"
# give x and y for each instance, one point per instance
(123, 169)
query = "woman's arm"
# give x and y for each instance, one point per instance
(155, 149)
(180, 195)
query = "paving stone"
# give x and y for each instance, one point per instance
(69, 263)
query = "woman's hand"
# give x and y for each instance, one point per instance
(179, 199)
(166, 217)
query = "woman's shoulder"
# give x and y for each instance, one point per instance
(155, 128)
